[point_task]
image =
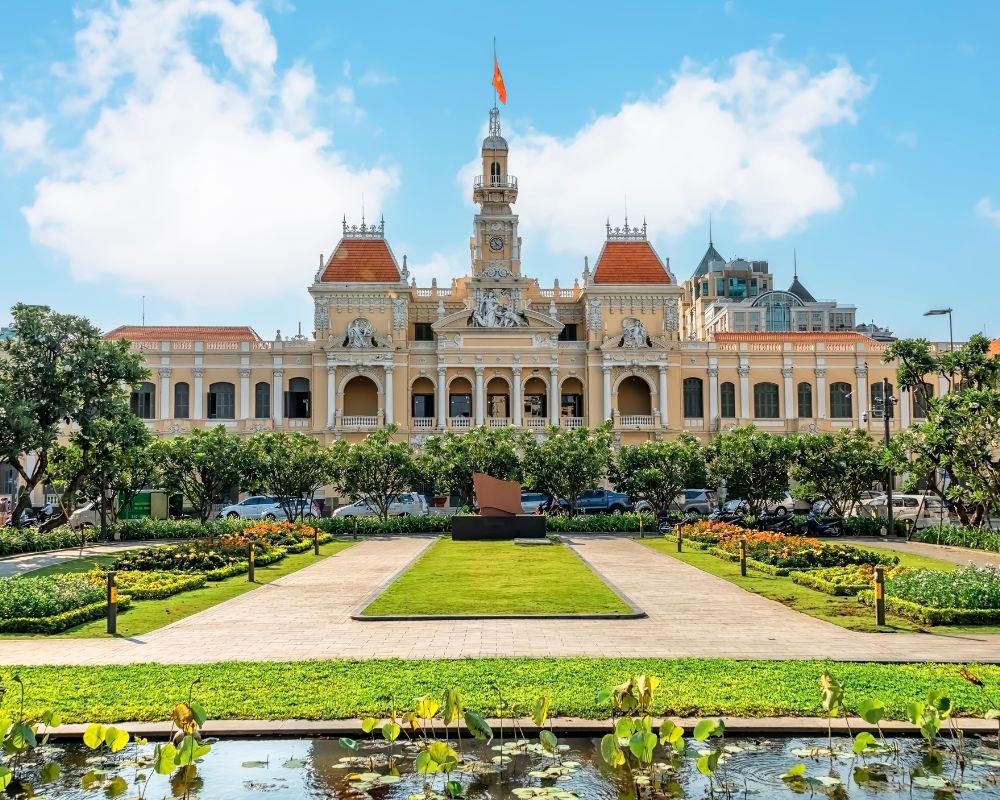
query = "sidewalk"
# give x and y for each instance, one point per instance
(306, 615)
(26, 562)
(956, 555)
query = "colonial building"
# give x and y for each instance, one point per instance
(623, 342)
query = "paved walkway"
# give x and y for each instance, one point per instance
(306, 615)
(26, 562)
(956, 555)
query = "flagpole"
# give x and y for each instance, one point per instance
(494, 71)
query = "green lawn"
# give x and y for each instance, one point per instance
(846, 612)
(497, 578)
(349, 689)
(76, 565)
(148, 615)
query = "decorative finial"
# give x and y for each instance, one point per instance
(494, 121)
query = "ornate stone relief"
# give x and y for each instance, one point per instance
(671, 315)
(360, 333)
(498, 270)
(399, 313)
(593, 314)
(634, 333)
(321, 319)
(496, 308)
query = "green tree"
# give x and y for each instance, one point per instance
(953, 452)
(204, 465)
(837, 467)
(55, 371)
(567, 461)
(377, 470)
(290, 466)
(451, 460)
(659, 471)
(753, 465)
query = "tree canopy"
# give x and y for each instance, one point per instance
(204, 465)
(290, 466)
(659, 471)
(450, 461)
(753, 464)
(377, 470)
(837, 467)
(567, 461)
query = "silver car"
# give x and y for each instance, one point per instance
(269, 508)
(410, 504)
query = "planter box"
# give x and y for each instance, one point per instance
(469, 527)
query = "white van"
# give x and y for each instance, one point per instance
(905, 507)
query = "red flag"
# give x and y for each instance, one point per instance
(498, 81)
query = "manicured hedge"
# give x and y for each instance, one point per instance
(752, 563)
(601, 523)
(45, 596)
(816, 581)
(934, 616)
(31, 540)
(373, 526)
(60, 622)
(957, 536)
(150, 585)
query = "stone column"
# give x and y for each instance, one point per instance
(331, 395)
(277, 398)
(861, 375)
(746, 411)
(663, 396)
(608, 411)
(820, 392)
(786, 373)
(713, 396)
(165, 393)
(389, 397)
(554, 399)
(442, 399)
(478, 399)
(198, 397)
(516, 402)
(245, 393)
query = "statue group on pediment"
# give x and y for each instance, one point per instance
(496, 308)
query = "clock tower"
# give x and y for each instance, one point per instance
(495, 245)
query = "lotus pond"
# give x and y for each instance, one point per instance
(521, 768)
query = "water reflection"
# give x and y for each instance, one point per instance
(310, 769)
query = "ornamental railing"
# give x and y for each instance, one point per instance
(495, 182)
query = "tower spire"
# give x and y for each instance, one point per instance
(710, 230)
(795, 264)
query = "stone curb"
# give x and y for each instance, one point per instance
(359, 615)
(568, 726)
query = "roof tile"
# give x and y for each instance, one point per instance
(629, 262)
(184, 333)
(794, 336)
(361, 261)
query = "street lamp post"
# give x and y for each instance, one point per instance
(887, 403)
(938, 312)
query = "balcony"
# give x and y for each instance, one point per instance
(498, 422)
(358, 422)
(571, 422)
(635, 421)
(422, 423)
(495, 182)
(298, 422)
(460, 423)
(536, 423)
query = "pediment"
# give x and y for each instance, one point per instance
(535, 322)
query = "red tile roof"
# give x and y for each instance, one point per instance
(995, 348)
(629, 262)
(363, 261)
(794, 336)
(184, 333)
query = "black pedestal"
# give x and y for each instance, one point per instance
(468, 527)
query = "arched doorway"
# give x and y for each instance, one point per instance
(360, 401)
(498, 402)
(536, 407)
(460, 403)
(571, 402)
(422, 403)
(634, 397)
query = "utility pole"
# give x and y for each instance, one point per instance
(886, 410)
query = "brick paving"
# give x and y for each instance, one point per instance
(306, 615)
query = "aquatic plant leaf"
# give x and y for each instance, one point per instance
(115, 738)
(253, 764)
(368, 724)
(116, 787)
(549, 740)
(183, 717)
(295, 763)
(862, 742)
(93, 736)
(6, 776)
(540, 713)
(708, 727)
(348, 744)
(611, 752)
(478, 727)
(163, 759)
(642, 746)
(390, 731)
(708, 764)
(798, 771)
(49, 772)
(645, 687)
(871, 711)
(198, 712)
(831, 693)
(427, 707)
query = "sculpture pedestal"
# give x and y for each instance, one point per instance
(470, 527)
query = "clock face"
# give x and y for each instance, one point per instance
(496, 243)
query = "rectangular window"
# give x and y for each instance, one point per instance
(720, 287)
(739, 322)
(704, 288)
(737, 287)
(422, 332)
(535, 405)
(568, 333)
(423, 406)
(572, 405)
(460, 405)
(142, 401)
(753, 287)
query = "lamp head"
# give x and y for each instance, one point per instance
(936, 312)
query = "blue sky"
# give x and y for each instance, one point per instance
(203, 152)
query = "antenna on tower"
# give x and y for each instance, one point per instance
(144, 311)
(795, 264)
(362, 209)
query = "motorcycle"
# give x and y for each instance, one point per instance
(667, 522)
(824, 526)
(776, 522)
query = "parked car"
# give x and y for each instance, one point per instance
(269, 508)
(695, 501)
(410, 504)
(86, 516)
(822, 508)
(604, 501)
(905, 508)
(530, 501)
(786, 505)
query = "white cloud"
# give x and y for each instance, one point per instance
(24, 140)
(373, 77)
(863, 168)
(204, 182)
(986, 210)
(442, 266)
(743, 142)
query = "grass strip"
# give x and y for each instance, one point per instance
(497, 578)
(348, 689)
(843, 611)
(148, 615)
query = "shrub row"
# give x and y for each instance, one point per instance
(60, 622)
(814, 580)
(752, 563)
(45, 596)
(31, 540)
(970, 587)
(934, 616)
(150, 585)
(957, 536)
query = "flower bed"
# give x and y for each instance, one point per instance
(706, 532)
(152, 585)
(842, 581)
(969, 587)
(216, 561)
(49, 603)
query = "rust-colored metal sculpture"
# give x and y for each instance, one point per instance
(496, 498)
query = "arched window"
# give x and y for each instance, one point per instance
(297, 399)
(877, 400)
(921, 400)
(727, 401)
(143, 401)
(805, 400)
(840, 401)
(765, 401)
(221, 401)
(495, 173)
(182, 400)
(262, 400)
(694, 402)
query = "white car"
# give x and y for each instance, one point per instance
(410, 504)
(86, 516)
(264, 507)
(822, 508)
(905, 508)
